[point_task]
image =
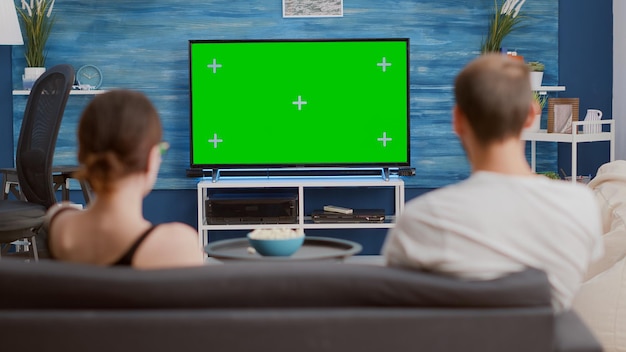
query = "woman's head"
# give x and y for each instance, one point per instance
(117, 132)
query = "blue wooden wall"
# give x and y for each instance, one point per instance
(142, 45)
(586, 31)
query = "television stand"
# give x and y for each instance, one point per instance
(216, 174)
(296, 192)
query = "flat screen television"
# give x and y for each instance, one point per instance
(299, 103)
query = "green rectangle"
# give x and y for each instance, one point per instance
(245, 109)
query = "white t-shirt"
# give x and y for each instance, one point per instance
(493, 224)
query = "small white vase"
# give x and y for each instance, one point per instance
(30, 76)
(536, 79)
(33, 72)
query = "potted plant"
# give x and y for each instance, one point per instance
(536, 73)
(503, 21)
(37, 22)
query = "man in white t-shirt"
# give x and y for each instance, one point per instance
(504, 217)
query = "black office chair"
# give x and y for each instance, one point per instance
(35, 149)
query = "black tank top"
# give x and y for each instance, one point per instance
(125, 260)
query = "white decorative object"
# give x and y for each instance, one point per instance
(33, 72)
(30, 76)
(10, 33)
(536, 78)
(312, 8)
(593, 115)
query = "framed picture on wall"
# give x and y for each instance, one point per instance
(562, 112)
(312, 8)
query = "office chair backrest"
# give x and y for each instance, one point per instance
(39, 131)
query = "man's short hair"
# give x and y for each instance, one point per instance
(494, 93)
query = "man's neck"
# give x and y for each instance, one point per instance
(506, 157)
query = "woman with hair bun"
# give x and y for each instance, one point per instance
(119, 151)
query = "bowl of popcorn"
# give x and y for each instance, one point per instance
(276, 242)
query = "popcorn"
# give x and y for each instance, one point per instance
(275, 234)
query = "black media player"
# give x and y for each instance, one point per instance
(252, 208)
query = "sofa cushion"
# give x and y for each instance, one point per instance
(600, 303)
(54, 285)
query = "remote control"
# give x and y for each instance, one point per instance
(336, 209)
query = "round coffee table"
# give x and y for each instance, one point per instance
(313, 248)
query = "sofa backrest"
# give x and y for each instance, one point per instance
(56, 285)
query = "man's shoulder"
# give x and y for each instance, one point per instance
(564, 189)
(446, 194)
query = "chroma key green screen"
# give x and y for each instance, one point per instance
(299, 103)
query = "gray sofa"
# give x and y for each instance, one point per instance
(278, 307)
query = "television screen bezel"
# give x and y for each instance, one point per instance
(303, 165)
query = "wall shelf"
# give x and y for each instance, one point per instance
(543, 90)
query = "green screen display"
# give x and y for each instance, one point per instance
(299, 103)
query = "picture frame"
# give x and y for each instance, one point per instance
(312, 8)
(562, 113)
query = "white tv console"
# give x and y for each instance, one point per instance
(298, 184)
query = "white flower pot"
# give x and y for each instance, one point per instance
(535, 79)
(30, 76)
(33, 72)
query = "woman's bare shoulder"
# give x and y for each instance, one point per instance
(175, 229)
(60, 218)
(61, 215)
(57, 208)
(171, 244)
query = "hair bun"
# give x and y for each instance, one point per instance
(102, 169)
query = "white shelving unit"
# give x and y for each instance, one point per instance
(547, 89)
(297, 183)
(72, 92)
(574, 138)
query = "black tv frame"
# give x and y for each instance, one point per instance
(198, 170)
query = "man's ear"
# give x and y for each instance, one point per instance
(459, 121)
(534, 110)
